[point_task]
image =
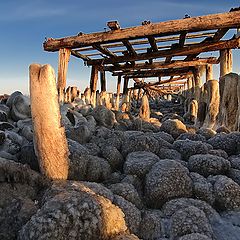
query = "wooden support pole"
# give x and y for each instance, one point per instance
(49, 136)
(125, 85)
(209, 72)
(64, 56)
(118, 92)
(225, 62)
(103, 81)
(93, 84)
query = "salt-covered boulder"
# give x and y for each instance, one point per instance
(208, 164)
(225, 142)
(20, 108)
(132, 213)
(189, 220)
(187, 148)
(202, 189)
(174, 127)
(227, 193)
(151, 225)
(128, 192)
(89, 168)
(75, 212)
(139, 163)
(166, 180)
(113, 156)
(104, 116)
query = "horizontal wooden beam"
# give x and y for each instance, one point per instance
(185, 51)
(104, 50)
(79, 55)
(194, 24)
(157, 73)
(161, 65)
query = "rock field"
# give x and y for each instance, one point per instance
(155, 177)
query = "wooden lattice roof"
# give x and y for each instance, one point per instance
(150, 50)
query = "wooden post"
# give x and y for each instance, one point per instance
(225, 62)
(118, 91)
(64, 56)
(48, 131)
(125, 85)
(197, 82)
(93, 84)
(209, 72)
(103, 81)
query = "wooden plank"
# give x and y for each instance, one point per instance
(194, 24)
(182, 38)
(156, 73)
(104, 50)
(185, 51)
(79, 55)
(129, 47)
(153, 43)
(219, 34)
(160, 65)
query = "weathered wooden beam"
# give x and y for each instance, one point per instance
(79, 55)
(153, 43)
(129, 47)
(182, 39)
(118, 92)
(104, 50)
(165, 72)
(160, 65)
(219, 34)
(225, 62)
(194, 24)
(185, 51)
(125, 85)
(103, 81)
(64, 56)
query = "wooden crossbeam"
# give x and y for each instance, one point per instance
(153, 43)
(129, 47)
(104, 50)
(79, 55)
(219, 34)
(161, 65)
(185, 51)
(194, 24)
(156, 73)
(182, 38)
(162, 39)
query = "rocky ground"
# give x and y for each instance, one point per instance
(128, 178)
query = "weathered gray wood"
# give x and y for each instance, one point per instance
(185, 51)
(194, 24)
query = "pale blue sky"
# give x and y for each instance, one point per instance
(25, 23)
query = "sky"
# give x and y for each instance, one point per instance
(24, 24)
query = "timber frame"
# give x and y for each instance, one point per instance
(170, 48)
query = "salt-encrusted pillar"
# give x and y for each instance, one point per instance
(49, 136)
